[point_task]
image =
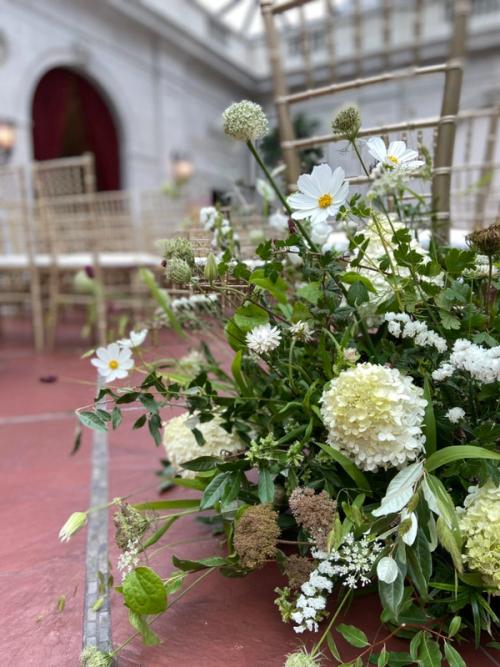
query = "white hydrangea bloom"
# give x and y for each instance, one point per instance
(374, 416)
(455, 415)
(482, 363)
(181, 446)
(263, 339)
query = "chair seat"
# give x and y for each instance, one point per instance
(107, 260)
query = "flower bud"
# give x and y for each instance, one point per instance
(83, 283)
(347, 122)
(302, 659)
(91, 656)
(76, 521)
(486, 240)
(179, 247)
(210, 272)
(245, 121)
(178, 271)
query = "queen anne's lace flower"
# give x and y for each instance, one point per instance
(480, 525)
(401, 325)
(181, 445)
(374, 415)
(455, 415)
(263, 339)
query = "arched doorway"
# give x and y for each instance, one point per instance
(71, 117)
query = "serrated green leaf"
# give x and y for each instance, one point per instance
(310, 292)
(144, 591)
(353, 635)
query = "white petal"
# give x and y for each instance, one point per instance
(113, 350)
(415, 164)
(102, 353)
(336, 182)
(341, 194)
(376, 148)
(127, 364)
(322, 174)
(302, 215)
(121, 373)
(99, 363)
(319, 215)
(396, 148)
(308, 186)
(408, 155)
(301, 201)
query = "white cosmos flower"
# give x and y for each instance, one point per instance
(263, 338)
(265, 190)
(396, 156)
(320, 195)
(278, 221)
(135, 339)
(113, 362)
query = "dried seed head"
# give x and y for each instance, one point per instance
(130, 525)
(255, 536)
(314, 512)
(486, 240)
(298, 569)
(346, 122)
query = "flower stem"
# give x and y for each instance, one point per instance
(317, 646)
(282, 199)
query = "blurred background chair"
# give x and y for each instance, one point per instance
(406, 66)
(19, 272)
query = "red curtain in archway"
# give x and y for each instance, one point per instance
(71, 117)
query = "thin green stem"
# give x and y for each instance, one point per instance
(278, 192)
(317, 646)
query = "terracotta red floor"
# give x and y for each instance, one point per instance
(222, 622)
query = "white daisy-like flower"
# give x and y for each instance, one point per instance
(302, 331)
(374, 416)
(135, 339)
(263, 338)
(320, 195)
(278, 221)
(397, 156)
(113, 362)
(181, 445)
(455, 415)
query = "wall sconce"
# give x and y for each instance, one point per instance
(182, 168)
(7, 140)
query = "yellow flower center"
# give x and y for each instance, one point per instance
(113, 364)
(325, 201)
(393, 159)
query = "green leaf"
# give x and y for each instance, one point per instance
(391, 595)
(429, 426)
(144, 591)
(201, 464)
(215, 490)
(161, 298)
(456, 453)
(383, 657)
(277, 289)
(354, 473)
(429, 654)
(237, 372)
(250, 316)
(181, 503)
(93, 421)
(455, 625)
(116, 417)
(420, 564)
(333, 647)
(266, 486)
(310, 292)
(196, 565)
(357, 294)
(154, 425)
(453, 656)
(234, 336)
(445, 506)
(351, 277)
(448, 541)
(158, 534)
(353, 635)
(138, 622)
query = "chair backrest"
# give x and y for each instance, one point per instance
(15, 231)
(161, 217)
(475, 183)
(398, 54)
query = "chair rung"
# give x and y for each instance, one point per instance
(287, 5)
(366, 132)
(387, 77)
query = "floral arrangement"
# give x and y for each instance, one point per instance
(353, 443)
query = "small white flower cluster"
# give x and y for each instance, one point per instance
(302, 331)
(213, 221)
(401, 324)
(482, 363)
(208, 216)
(352, 562)
(263, 339)
(455, 415)
(129, 559)
(245, 121)
(194, 302)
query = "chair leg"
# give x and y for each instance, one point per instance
(100, 307)
(37, 313)
(53, 311)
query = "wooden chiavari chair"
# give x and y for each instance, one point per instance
(19, 274)
(355, 79)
